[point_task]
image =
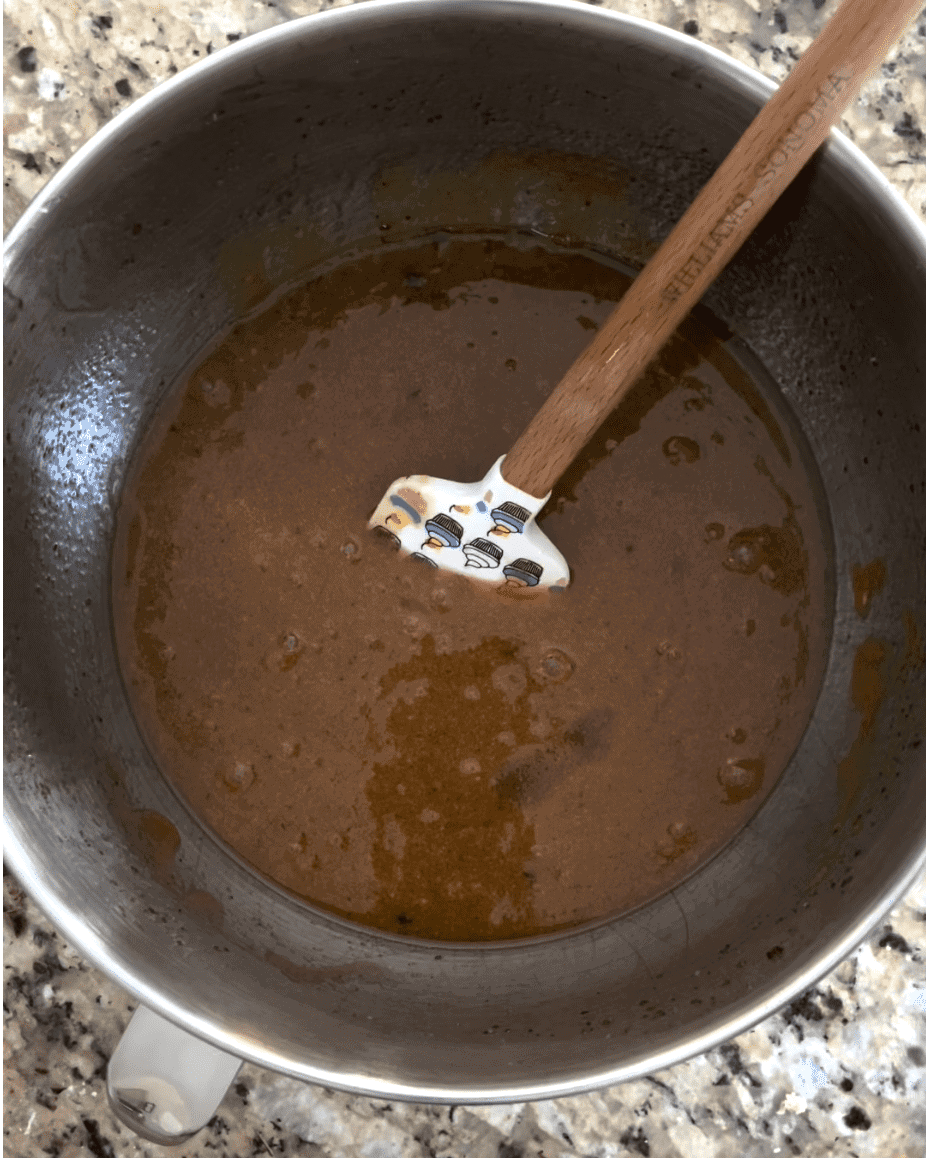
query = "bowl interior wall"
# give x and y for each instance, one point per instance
(293, 155)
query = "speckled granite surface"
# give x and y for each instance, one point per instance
(841, 1071)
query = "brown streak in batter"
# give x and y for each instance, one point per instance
(868, 689)
(867, 582)
(401, 746)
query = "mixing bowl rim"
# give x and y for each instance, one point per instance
(874, 187)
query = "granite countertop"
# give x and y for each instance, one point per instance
(839, 1072)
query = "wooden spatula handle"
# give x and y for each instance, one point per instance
(765, 160)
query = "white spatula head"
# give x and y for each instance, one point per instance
(486, 530)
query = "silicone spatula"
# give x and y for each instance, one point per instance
(488, 529)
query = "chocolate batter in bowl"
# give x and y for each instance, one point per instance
(398, 746)
(360, 136)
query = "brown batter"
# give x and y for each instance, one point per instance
(401, 746)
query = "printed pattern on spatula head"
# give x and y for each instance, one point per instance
(486, 530)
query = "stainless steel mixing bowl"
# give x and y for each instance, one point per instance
(318, 139)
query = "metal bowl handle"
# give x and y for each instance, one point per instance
(164, 1083)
